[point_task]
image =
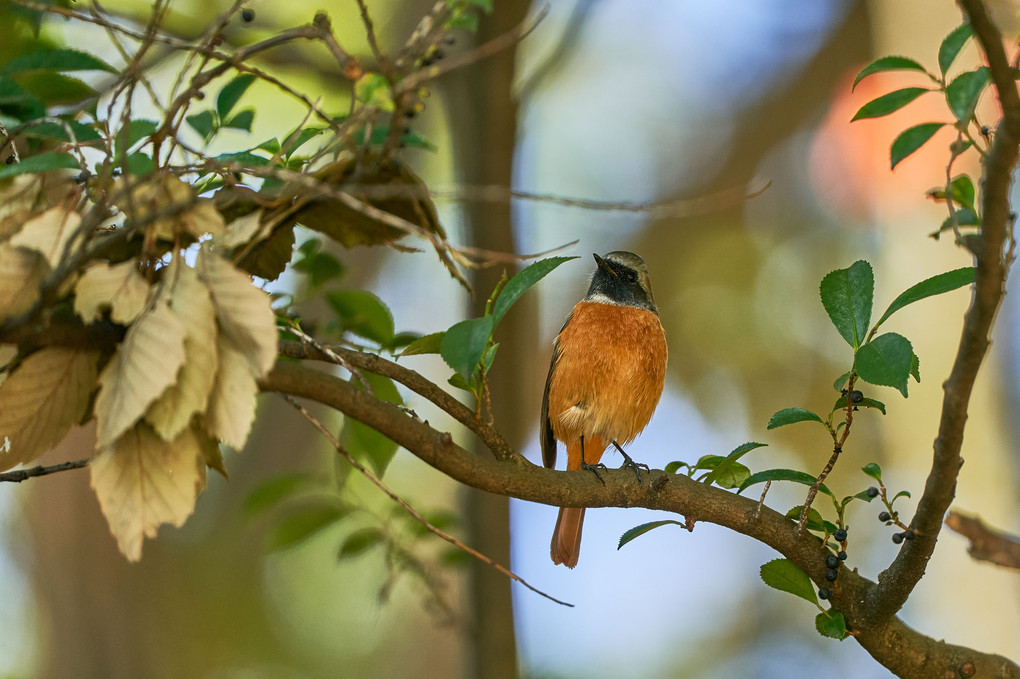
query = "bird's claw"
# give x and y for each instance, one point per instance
(629, 462)
(594, 469)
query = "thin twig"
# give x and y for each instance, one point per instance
(986, 544)
(407, 507)
(19, 475)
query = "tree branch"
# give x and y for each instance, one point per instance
(986, 544)
(19, 475)
(899, 580)
(891, 642)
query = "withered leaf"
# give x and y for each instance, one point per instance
(232, 402)
(118, 287)
(21, 272)
(48, 233)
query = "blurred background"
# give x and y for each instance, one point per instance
(612, 100)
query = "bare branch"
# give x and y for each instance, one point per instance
(19, 475)
(986, 544)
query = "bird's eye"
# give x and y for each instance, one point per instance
(629, 276)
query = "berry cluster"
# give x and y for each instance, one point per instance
(891, 517)
(833, 563)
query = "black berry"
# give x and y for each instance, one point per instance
(832, 561)
(840, 534)
(247, 15)
(823, 594)
(873, 492)
(856, 396)
(909, 533)
(82, 177)
(9, 160)
(897, 538)
(884, 516)
(842, 555)
(200, 95)
(831, 575)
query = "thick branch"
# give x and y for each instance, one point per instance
(891, 642)
(986, 544)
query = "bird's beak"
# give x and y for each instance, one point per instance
(603, 264)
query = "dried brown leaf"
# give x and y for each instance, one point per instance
(118, 287)
(21, 271)
(41, 399)
(232, 402)
(242, 310)
(143, 482)
(146, 363)
(49, 233)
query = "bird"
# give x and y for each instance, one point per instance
(605, 379)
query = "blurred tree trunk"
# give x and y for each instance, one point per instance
(483, 120)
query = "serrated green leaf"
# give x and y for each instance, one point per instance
(58, 59)
(910, 140)
(951, 46)
(202, 122)
(362, 313)
(242, 121)
(889, 103)
(790, 416)
(784, 575)
(889, 63)
(464, 344)
(428, 344)
(360, 541)
(885, 361)
(301, 523)
(638, 531)
(847, 296)
(831, 624)
(873, 470)
(962, 94)
(521, 282)
(231, 94)
(915, 368)
(727, 472)
(814, 518)
(783, 475)
(936, 285)
(865, 403)
(43, 162)
(271, 492)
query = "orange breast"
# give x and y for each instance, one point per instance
(609, 374)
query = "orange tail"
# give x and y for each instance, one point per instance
(566, 539)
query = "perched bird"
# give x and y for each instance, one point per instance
(606, 376)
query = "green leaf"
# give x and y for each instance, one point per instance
(231, 94)
(139, 164)
(784, 575)
(373, 89)
(429, 344)
(360, 541)
(963, 192)
(790, 416)
(830, 623)
(915, 368)
(242, 157)
(873, 470)
(271, 145)
(783, 475)
(963, 217)
(847, 297)
(675, 466)
(271, 492)
(936, 285)
(885, 360)
(301, 523)
(841, 381)
(464, 343)
(890, 63)
(299, 138)
(962, 94)
(910, 140)
(465, 21)
(866, 403)
(43, 162)
(488, 357)
(242, 121)
(863, 495)
(361, 440)
(137, 130)
(638, 531)
(727, 472)
(889, 103)
(902, 493)
(520, 283)
(951, 46)
(814, 519)
(51, 130)
(362, 313)
(320, 267)
(203, 123)
(62, 59)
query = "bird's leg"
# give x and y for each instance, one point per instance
(593, 468)
(628, 462)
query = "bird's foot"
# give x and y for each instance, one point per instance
(629, 462)
(594, 469)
